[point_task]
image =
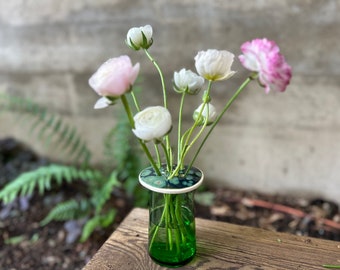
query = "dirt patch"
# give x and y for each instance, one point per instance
(24, 244)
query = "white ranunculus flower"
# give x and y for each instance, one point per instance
(214, 65)
(139, 37)
(209, 111)
(186, 80)
(152, 123)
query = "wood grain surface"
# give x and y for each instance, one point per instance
(220, 245)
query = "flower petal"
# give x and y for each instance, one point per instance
(102, 103)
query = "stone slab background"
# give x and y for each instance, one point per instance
(285, 143)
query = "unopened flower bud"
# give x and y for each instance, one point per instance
(207, 114)
(139, 37)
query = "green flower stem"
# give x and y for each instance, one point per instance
(168, 146)
(169, 151)
(198, 135)
(226, 107)
(160, 75)
(158, 156)
(149, 156)
(135, 101)
(329, 266)
(167, 209)
(183, 148)
(179, 217)
(132, 123)
(156, 228)
(205, 101)
(207, 94)
(167, 158)
(165, 218)
(172, 219)
(179, 144)
(128, 111)
(177, 220)
(173, 222)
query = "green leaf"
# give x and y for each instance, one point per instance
(205, 198)
(15, 240)
(49, 127)
(103, 193)
(89, 227)
(42, 178)
(96, 222)
(68, 210)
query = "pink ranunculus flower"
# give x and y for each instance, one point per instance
(115, 77)
(263, 56)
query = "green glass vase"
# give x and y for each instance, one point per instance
(172, 231)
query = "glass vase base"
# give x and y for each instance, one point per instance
(173, 264)
(172, 239)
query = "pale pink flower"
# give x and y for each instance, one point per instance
(263, 56)
(115, 77)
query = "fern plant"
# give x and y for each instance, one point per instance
(99, 186)
(42, 178)
(122, 151)
(48, 127)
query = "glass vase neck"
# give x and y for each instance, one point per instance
(185, 181)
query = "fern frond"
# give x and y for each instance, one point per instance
(97, 221)
(118, 142)
(49, 126)
(42, 178)
(122, 150)
(130, 172)
(68, 210)
(103, 193)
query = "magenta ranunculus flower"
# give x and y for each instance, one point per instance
(115, 77)
(263, 56)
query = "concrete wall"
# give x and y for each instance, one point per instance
(287, 143)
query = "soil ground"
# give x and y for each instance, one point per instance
(24, 244)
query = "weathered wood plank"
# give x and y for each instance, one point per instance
(220, 245)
